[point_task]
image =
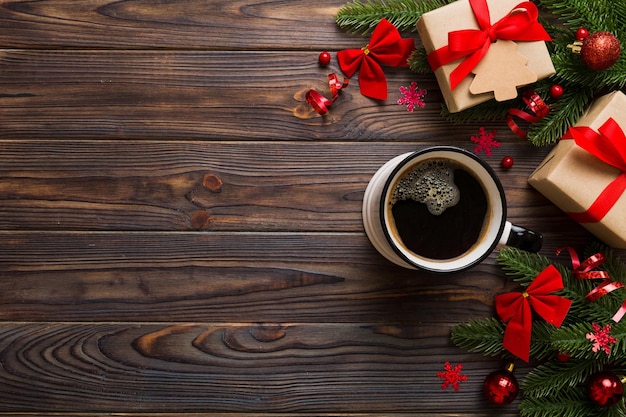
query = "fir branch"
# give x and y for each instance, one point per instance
(362, 16)
(541, 347)
(571, 69)
(418, 62)
(593, 15)
(572, 339)
(570, 403)
(551, 378)
(488, 111)
(563, 113)
(522, 266)
(484, 336)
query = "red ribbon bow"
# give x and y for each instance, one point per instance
(385, 47)
(515, 308)
(472, 44)
(584, 270)
(608, 145)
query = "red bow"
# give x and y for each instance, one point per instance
(608, 145)
(385, 47)
(472, 44)
(515, 308)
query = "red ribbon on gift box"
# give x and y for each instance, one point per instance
(472, 44)
(609, 145)
(515, 308)
(387, 47)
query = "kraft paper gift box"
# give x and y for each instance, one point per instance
(433, 28)
(573, 178)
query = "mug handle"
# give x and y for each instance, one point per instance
(521, 238)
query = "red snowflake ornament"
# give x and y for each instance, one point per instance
(601, 338)
(412, 97)
(485, 141)
(451, 376)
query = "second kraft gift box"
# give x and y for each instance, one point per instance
(591, 188)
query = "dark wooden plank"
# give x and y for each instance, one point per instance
(288, 368)
(179, 24)
(219, 186)
(184, 95)
(225, 277)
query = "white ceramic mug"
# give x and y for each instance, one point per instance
(494, 229)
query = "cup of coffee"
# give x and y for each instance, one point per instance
(441, 209)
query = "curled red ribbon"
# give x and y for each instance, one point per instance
(472, 44)
(515, 308)
(608, 145)
(320, 103)
(385, 47)
(585, 270)
(538, 110)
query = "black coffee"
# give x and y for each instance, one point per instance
(439, 210)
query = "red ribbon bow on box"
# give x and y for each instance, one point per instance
(515, 308)
(608, 145)
(472, 44)
(385, 47)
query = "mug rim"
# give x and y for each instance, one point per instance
(494, 178)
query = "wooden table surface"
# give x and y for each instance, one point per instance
(181, 233)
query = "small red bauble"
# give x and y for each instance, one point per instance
(563, 357)
(600, 50)
(556, 91)
(501, 387)
(507, 162)
(324, 58)
(605, 389)
(581, 34)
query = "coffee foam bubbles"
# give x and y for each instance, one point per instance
(430, 183)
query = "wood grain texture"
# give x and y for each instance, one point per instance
(181, 234)
(216, 186)
(178, 24)
(183, 95)
(330, 277)
(286, 367)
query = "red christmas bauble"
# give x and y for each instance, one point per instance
(556, 91)
(507, 162)
(600, 50)
(581, 34)
(324, 58)
(605, 389)
(501, 387)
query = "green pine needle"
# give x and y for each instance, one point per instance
(362, 16)
(522, 266)
(556, 388)
(418, 62)
(481, 336)
(564, 113)
(569, 403)
(548, 379)
(593, 15)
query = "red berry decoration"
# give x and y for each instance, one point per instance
(605, 389)
(507, 162)
(324, 58)
(600, 50)
(556, 91)
(581, 34)
(501, 387)
(563, 357)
